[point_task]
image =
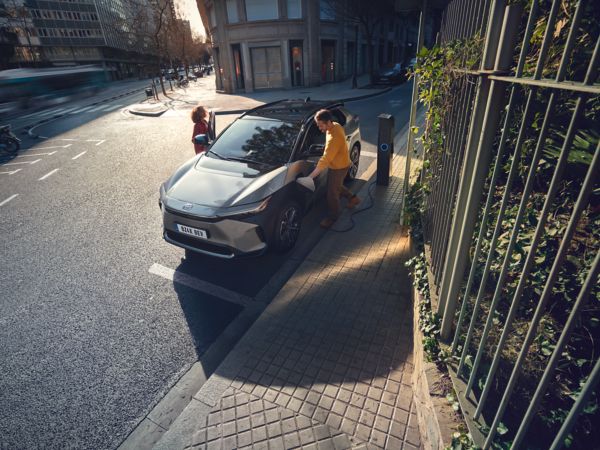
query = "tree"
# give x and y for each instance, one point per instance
(14, 22)
(368, 15)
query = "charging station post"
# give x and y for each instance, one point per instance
(385, 148)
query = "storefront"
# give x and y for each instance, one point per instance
(267, 68)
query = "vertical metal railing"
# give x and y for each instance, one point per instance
(488, 209)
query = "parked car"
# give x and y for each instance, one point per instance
(395, 74)
(240, 197)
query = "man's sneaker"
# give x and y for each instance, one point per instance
(327, 222)
(353, 202)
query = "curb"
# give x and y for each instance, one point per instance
(149, 113)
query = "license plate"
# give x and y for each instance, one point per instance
(196, 232)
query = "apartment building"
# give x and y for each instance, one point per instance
(70, 32)
(268, 44)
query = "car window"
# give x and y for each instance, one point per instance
(339, 116)
(313, 136)
(256, 139)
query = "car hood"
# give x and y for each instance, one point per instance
(219, 184)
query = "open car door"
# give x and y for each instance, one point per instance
(212, 133)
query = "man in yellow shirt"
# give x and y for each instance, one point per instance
(336, 159)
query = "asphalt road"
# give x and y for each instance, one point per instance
(91, 334)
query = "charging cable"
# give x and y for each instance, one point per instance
(358, 211)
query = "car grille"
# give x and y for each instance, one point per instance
(198, 243)
(191, 216)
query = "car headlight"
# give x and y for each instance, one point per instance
(247, 210)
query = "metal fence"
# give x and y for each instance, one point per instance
(511, 222)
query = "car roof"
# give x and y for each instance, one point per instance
(291, 110)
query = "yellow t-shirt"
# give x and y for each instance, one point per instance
(335, 155)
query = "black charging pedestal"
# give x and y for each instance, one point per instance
(385, 148)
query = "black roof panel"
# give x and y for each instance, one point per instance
(290, 110)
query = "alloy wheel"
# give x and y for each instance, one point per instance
(289, 226)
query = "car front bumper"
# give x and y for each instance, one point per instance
(226, 238)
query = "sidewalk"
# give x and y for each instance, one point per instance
(328, 364)
(203, 92)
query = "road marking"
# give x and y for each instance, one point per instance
(111, 108)
(10, 173)
(97, 108)
(54, 146)
(81, 154)
(68, 110)
(37, 154)
(80, 110)
(24, 162)
(101, 142)
(199, 285)
(48, 174)
(8, 200)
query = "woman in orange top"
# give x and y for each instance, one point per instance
(199, 117)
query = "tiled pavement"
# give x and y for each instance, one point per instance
(329, 362)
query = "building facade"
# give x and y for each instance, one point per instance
(62, 33)
(274, 44)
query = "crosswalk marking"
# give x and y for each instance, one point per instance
(81, 154)
(10, 173)
(112, 107)
(77, 111)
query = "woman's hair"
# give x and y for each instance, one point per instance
(199, 113)
(324, 115)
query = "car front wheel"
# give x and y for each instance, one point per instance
(287, 226)
(355, 159)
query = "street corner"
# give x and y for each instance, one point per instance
(147, 109)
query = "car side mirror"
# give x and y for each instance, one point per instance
(315, 150)
(201, 139)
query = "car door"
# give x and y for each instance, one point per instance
(212, 132)
(311, 151)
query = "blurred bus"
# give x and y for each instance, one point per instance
(34, 88)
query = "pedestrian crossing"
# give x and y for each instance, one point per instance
(72, 110)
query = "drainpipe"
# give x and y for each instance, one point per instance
(413, 113)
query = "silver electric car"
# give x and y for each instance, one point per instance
(240, 197)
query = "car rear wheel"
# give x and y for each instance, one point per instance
(287, 226)
(355, 159)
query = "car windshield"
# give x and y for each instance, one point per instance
(258, 140)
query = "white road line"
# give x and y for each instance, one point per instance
(37, 154)
(101, 142)
(54, 111)
(10, 173)
(48, 174)
(8, 200)
(24, 162)
(54, 146)
(81, 154)
(199, 285)
(77, 111)
(111, 108)
(68, 110)
(97, 108)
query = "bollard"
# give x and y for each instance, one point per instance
(385, 148)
